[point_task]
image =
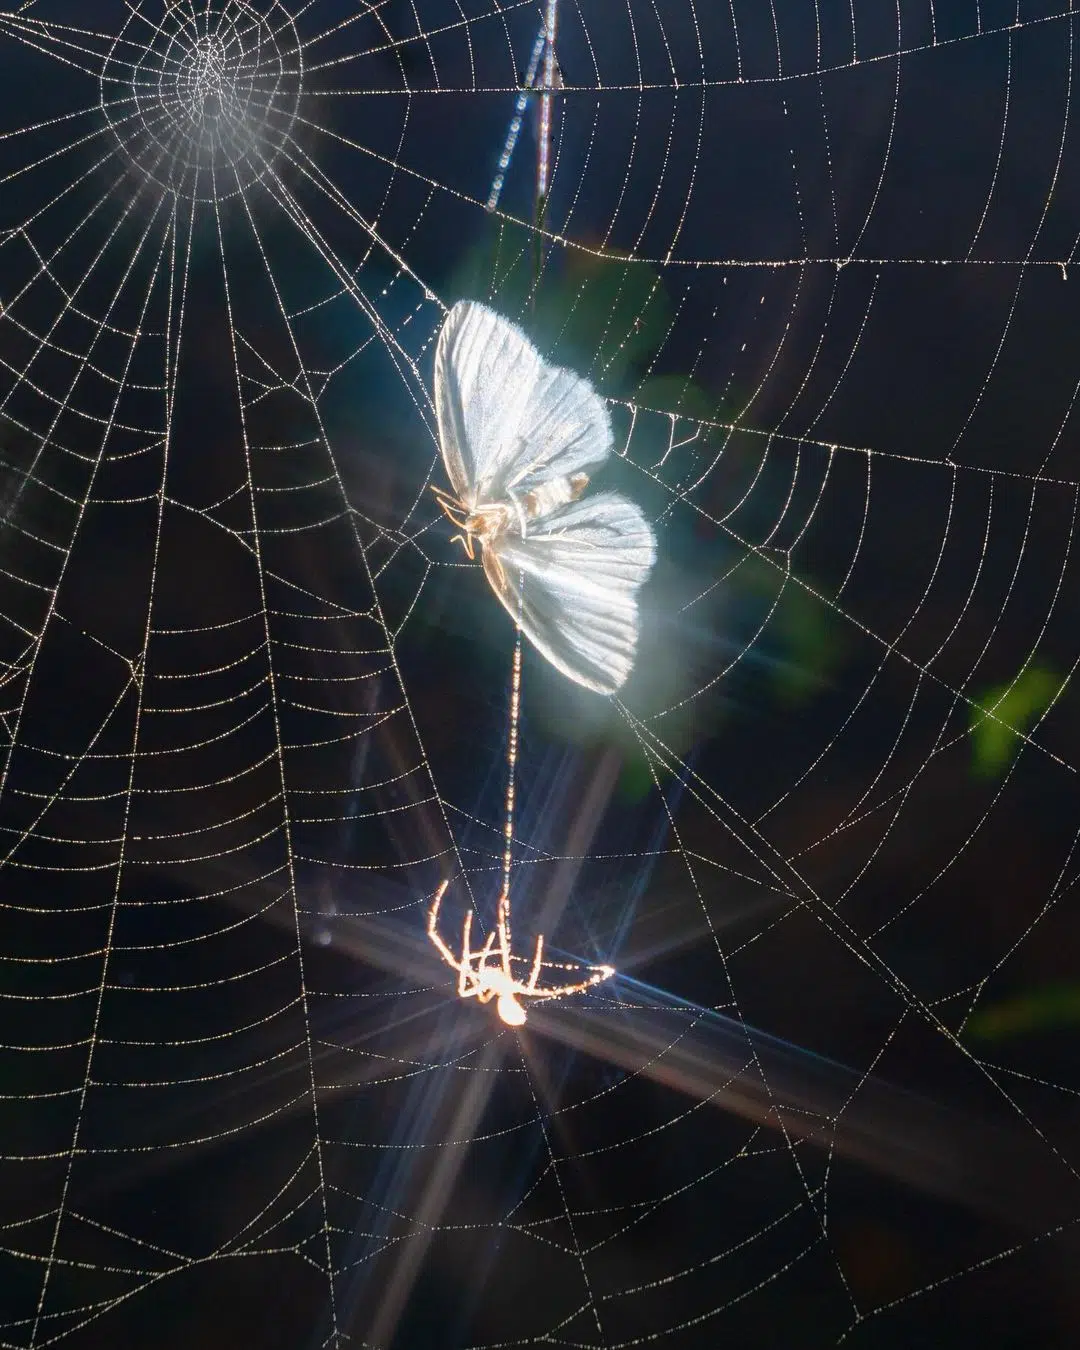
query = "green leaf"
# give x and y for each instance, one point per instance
(1003, 715)
(675, 394)
(813, 650)
(603, 315)
(635, 779)
(609, 315)
(1051, 1008)
(808, 648)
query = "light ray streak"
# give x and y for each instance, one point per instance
(516, 120)
(990, 1167)
(994, 1168)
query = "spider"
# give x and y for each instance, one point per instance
(488, 973)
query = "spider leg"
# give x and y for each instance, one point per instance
(464, 966)
(488, 972)
(433, 927)
(460, 964)
(486, 950)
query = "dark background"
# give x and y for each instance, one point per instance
(254, 703)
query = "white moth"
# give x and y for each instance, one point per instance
(517, 436)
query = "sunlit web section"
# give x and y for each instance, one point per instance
(541, 78)
(254, 706)
(203, 98)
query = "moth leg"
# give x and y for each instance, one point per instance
(457, 513)
(465, 540)
(493, 564)
(454, 510)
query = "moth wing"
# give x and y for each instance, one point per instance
(507, 418)
(583, 566)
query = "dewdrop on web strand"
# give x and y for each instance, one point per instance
(517, 437)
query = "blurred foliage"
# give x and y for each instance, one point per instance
(812, 650)
(676, 394)
(805, 650)
(1053, 1007)
(638, 776)
(1014, 707)
(604, 314)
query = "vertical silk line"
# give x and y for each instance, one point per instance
(511, 773)
(520, 108)
(543, 167)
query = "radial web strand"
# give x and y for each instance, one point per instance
(820, 262)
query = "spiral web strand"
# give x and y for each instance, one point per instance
(251, 711)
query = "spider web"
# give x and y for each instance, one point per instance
(253, 703)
